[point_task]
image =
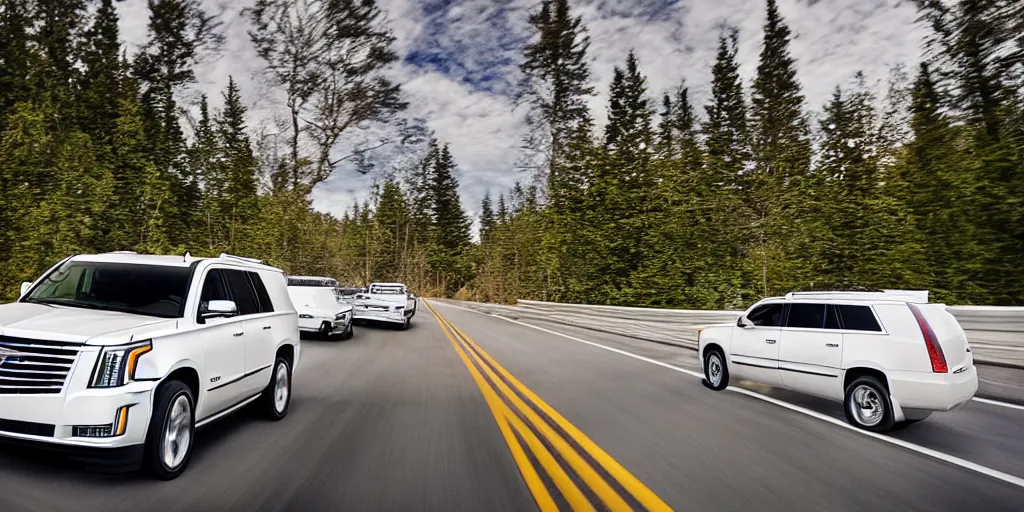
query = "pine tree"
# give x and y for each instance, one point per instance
(16, 56)
(782, 199)
(237, 167)
(451, 235)
(725, 129)
(131, 166)
(487, 219)
(556, 84)
(101, 77)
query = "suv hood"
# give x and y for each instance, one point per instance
(61, 323)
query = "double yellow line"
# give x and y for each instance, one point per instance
(515, 416)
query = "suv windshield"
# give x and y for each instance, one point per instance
(150, 290)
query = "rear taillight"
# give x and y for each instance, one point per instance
(931, 341)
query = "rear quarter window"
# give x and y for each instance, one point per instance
(858, 318)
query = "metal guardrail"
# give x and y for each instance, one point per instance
(996, 334)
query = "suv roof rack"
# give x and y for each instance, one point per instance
(226, 256)
(915, 296)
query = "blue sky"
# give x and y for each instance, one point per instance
(460, 63)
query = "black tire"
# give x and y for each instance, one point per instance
(153, 461)
(406, 323)
(871, 396)
(268, 403)
(712, 358)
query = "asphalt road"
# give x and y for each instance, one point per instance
(498, 416)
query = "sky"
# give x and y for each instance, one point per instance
(459, 65)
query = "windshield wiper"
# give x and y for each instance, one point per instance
(75, 304)
(37, 301)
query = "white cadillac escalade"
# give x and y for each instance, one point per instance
(117, 358)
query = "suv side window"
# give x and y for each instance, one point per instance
(858, 318)
(767, 315)
(214, 288)
(242, 290)
(266, 306)
(808, 316)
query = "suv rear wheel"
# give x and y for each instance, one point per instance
(867, 405)
(171, 431)
(277, 396)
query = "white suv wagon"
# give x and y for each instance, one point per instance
(117, 358)
(889, 356)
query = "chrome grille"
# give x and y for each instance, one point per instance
(35, 367)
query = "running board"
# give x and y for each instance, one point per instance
(227, 411)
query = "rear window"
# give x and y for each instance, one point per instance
(858, 318)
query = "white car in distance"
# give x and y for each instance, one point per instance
(386, 302)
(117, 358)
(890, 357)
(320, 308)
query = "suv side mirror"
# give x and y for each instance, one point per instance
(218, 309)
(25, 288)
(744, 322)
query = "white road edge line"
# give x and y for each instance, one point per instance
(945, 457)
(997, 402)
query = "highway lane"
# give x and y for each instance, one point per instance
(700, 450)
(390, 421)
(398, 420)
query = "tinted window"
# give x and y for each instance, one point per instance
(806, 315)
(858, 318)
(242, 291)
(152, 290)
(831, 317)
(261, 293)
(215, 287)
(768, 315)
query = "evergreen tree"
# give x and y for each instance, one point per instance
(101, 77)
(725, 130)
(782, 199)
(451, 234)
(16, 56)
(556, 84)
(237, 168)
(487, 219)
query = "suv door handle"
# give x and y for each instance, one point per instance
(266, 327)
(770, 342)
(238, 333)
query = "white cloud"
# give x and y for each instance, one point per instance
(461, 62)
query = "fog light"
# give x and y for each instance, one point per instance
(117, 428)
(91, 430)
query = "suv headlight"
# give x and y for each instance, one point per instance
(305, 315)
(399, 308)
(341, 316)
(116, 365)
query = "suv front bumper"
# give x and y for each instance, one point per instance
(49, 420)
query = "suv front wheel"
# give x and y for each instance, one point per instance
(716, 373)
(171, 431)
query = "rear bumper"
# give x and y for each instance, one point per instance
(382, 316)
(933, 391)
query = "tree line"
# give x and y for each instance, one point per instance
(717, 205)
(669, 204)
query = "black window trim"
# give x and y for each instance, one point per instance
(789, 309)
(252, 290)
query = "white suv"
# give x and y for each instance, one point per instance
(889, 356)
(320, 307)
(386, 302)
(117, 358)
